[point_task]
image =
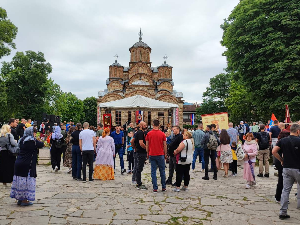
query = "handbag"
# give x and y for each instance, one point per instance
(240, 154)
(15, 150)
(183, 159)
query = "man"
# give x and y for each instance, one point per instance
(274, 132)
(263, 157)
(156, 148)
(255, 128)
(233, 133)
(290, 147)
(198, 136)
(64, 145)
(175, 142)
(99, 130)
(141, 154)
(242, 131)
(87, 144)
(210, 143)
(247, 127)
(13, 126)
(118, 137)
(28, 124)
(21, 128)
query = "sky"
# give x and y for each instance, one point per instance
(80, 38)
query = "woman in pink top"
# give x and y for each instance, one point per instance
(251, 149)
(104, 169)
(225, 149)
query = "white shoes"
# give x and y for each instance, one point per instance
(248, 186)
(55, 169)
(176, 190)
(69, 170)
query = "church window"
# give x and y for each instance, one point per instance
(118, 118)
(129, 116)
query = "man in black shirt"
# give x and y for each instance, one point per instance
(21, 128)
(13, 126)
(290, 147)
(177, 139)
(141, 154)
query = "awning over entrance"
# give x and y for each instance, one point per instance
(138, 101)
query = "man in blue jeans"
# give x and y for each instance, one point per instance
(198, 136)
(118, 137)
(156, 148)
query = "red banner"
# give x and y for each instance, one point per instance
(107, 120)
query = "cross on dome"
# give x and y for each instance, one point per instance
(140, 34)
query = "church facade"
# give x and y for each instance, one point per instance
(140, 78)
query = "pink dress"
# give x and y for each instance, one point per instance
(251, 149)
(105, 151)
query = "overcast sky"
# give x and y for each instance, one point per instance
(80, 38)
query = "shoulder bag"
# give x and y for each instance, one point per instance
(15, 150)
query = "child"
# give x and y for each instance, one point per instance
(130, 153)
(234, 157)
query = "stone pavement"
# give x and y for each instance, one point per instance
(62, 200)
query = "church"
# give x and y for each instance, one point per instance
(140, 92)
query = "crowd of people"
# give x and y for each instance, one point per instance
(82, 145)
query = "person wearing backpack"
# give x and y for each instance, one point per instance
(264, 151)
(56, 141)
(210, 143)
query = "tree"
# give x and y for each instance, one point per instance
(8, 32)
(26, 80)
(215, 95)
(3, 102)
(239, 104)
(90, 110)
(69, 107)
(263, 52)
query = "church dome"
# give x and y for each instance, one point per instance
(116, 64)
(140, 43)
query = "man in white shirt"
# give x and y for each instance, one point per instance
(87, 144)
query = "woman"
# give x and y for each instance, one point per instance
(68, 154)
(251, 149)
(184, 157)
(76, 153)
(279, 167)
(104, 169)
(225, 149)
(7, 159)
(23, 186)
(56, 142)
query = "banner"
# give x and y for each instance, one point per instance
(220, 119)
(139, 116)
(107, 120)
(177, 117)
(287, 114)
(193, 119)
(273, 118)
(98, 115)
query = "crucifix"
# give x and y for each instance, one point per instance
(116, 56)
(165, 58)
(140, 34)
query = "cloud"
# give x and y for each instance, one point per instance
(80, 38)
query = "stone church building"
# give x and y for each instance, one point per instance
(140, 92)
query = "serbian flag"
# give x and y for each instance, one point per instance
(192, 119)
(138, 116)
(287, 114)
(273, 118)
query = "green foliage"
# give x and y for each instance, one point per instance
(90, 110)
(3, 101)
(69, 107)
(239, 104)
(26, 79)
(215, 95)
(263, 51)
(8, 32)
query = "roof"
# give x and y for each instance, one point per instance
(116, 64)
(165, 65)
(140, 44)
(189, 108)
(138, 101)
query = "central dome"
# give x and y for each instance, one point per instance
(140, 43)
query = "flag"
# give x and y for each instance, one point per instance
(287, 114)
(192, 119)
(139, 116)
(273, 118)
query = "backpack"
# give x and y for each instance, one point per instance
(212, 142)
(264, 141)
(59, 143)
